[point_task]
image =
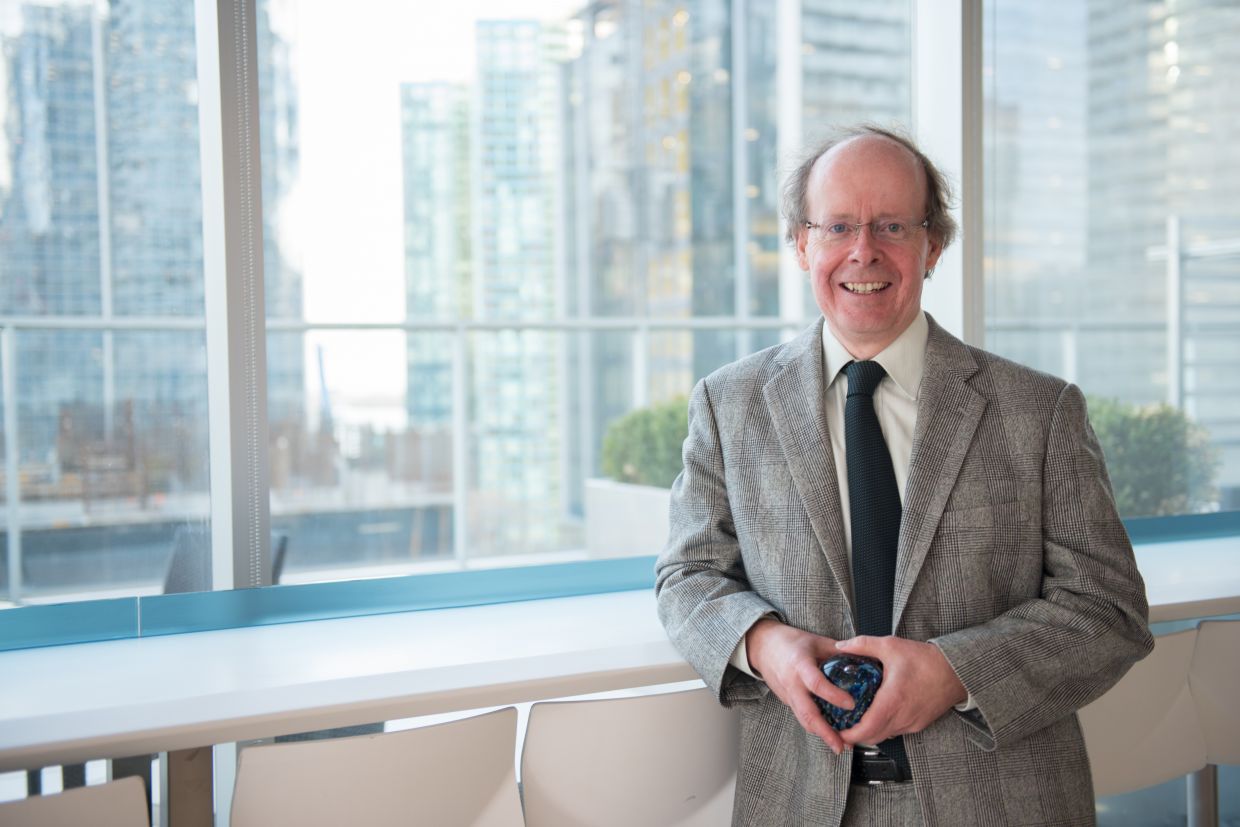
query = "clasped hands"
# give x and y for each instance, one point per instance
(919, 684)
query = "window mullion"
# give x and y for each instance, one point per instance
(947, 117)
(233, 277)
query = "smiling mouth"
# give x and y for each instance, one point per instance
(864, 287)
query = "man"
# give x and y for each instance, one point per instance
(1011, 597)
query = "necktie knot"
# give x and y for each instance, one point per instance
(863, 377)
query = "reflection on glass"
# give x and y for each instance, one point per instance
(562, 182)
(100, 218)
(361, 461)
(1113, 235)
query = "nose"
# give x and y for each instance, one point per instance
(863, 249)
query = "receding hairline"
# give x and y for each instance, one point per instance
(878, 138)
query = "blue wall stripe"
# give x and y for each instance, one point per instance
(202, 611)
(86, 621)
(96, 620)
(1183, 527)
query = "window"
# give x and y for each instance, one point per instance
(484, 243)
(1112, 237)
(501, 235)
(101, 298)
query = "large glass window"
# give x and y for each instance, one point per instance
(1113, 229)
(101, 296)
(495, 238)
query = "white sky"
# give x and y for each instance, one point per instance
(343, 220)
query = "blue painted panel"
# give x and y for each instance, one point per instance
(202, 611)
(61, 623)
(1142, 530)
(81, 622)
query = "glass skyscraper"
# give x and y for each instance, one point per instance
(101, 220)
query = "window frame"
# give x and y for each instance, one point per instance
(947, 117)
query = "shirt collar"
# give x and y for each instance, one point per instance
(904, 359)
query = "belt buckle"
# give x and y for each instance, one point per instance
(878, 768)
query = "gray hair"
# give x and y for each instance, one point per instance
(941, 226)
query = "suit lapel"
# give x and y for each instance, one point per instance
(948, 413)
(796, 399)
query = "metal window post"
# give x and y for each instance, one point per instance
(947, 117)
(12, 466)
(233, 277)
(232, 229)
(1175, 314)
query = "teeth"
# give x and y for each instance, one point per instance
(865, 287)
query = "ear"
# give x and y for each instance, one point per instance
(802, 239)
(932, 254)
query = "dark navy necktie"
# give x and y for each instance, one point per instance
(874, 509)
(874, 501)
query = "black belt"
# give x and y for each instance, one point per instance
(871, 765)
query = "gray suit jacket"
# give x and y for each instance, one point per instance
(1012, 559)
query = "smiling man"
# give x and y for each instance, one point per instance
(876, 487)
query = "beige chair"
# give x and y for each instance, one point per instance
(667, 759)
(1215, 682)
(455, 773)
(1145, 730)
(115, 804)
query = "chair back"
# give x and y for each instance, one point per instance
(1145, 729)
(114, 804)
(666, 759)
(189, 566)
(455, 773)
(1215, 680)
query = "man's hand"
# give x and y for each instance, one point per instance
(788, 660)
(919, 685)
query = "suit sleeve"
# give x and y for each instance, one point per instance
(704, 597)
(1046, 658)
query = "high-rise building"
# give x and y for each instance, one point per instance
(674, 140)
(50, 250)
(435, 146)
(515, 375)
(1163, 129)
(1109, 122)
(101, 216)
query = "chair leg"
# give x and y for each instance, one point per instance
(191, 784)
(139, 765)
(73, 775)
(1203, 797)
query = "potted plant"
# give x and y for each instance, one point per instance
(626, 513)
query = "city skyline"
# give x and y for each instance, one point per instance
(536, 246)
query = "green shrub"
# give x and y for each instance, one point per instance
(1160, 461)
(643, 446)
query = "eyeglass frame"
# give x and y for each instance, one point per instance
(856, 230)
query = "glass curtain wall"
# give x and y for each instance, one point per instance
(517, 239)
(1112, 246)
(486, 243)
(101, 299)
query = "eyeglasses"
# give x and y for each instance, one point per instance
(884, 231)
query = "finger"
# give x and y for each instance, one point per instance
(877, 724)
(866, 645)
(810, 717)
(817, 683)
(869, 730)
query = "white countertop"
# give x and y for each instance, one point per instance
(127, 697)
(1191, 578)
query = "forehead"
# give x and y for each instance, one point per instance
(867, 176)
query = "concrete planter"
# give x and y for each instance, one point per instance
(625, 520)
